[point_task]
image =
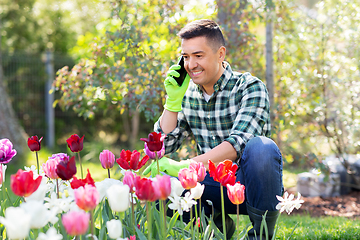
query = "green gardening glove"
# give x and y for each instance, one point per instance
(167, 166)
(175, 93)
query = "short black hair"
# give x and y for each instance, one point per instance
(204, 28)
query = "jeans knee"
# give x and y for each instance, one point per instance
(263, 151)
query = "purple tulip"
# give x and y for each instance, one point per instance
(6, 151)
(151, 154)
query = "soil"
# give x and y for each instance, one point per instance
(344, 206)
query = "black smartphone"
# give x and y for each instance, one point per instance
(182, 72)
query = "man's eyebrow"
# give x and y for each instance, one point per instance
(194, 53)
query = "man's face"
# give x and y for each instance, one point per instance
(203, 65)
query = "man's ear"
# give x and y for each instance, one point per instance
(221, 53)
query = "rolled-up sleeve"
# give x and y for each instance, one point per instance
(253, 114)
(174, 139)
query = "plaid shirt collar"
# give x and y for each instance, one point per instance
(223, 80)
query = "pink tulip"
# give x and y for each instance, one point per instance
(76, 222)
(188, 178)
(87, 198)
(236, 193)
(107, 159)
(200, 170)
(50, 167)
(129, 179)
(162, 186)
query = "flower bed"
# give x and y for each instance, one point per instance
(53, 204)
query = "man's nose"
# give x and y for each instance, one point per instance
(192, 63)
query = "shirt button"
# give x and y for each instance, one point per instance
(213, 137)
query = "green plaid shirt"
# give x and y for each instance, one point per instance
(237, 111)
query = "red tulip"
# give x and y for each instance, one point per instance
(144, 189)
(236, 193)
(188, 178)
(34, 143)
(154, 141)
(224, 172)
(75, 143)
(130, 160)
(76, 183)
(23, 183)
(66, 169)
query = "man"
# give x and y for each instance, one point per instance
(228, 114)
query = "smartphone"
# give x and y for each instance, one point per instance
(182, 72)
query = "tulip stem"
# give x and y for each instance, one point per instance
(81, 170)
(157, 162)
(37, 161)
(163, 216)
(237, 216)
(109, 172)
(196, 223)
(57, 188)
(92, 223)
(223, 210)
(148, 213)
(132, 210)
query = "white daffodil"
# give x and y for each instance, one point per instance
(288, 203)
(104, 185)
(40, 215)
(177, 203)
(176, 187)
(51, 234)
(114, 228)
(197, 191)
(33, 168)
(16, 222)
(61, 205)
(188, 202)
(118, 197)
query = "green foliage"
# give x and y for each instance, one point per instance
(125, 65)
(37, 25)
(316, 68)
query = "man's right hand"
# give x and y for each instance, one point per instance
(167, 166)
(175, 93)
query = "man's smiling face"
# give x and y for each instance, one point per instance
(202, 62)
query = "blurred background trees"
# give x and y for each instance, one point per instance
(116, 53)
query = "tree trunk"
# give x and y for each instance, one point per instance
(9, 125)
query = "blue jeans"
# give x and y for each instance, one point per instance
(260, 171)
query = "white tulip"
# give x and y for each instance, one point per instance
(197, 191)
(104, 185)
(51, 234)
(118, 197)
(16, 222)
(176, 187)
(40, 215)
(114, 228)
